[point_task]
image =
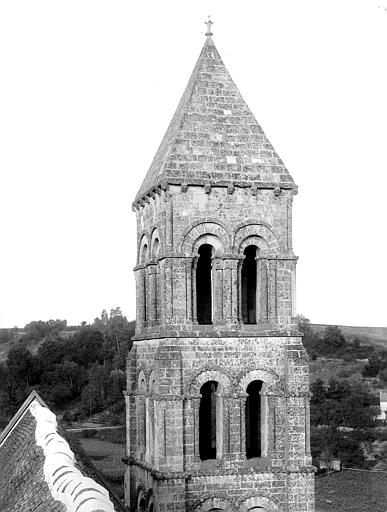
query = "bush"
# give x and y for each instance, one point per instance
(117, 435)
(88, 433)
(66, 417)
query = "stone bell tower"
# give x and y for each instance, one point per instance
(218, 386)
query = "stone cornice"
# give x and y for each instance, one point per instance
(164, 185)
(216, 471)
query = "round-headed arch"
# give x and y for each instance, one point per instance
(205, 375)
(257, 502)
(205, 232)
(258, 241)
(214, 503)
(269, 378)
(262, 232)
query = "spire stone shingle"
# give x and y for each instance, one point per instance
(214, 137)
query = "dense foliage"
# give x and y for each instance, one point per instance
(332, 343)
(342, 416)
(343, 412)
(82, 372)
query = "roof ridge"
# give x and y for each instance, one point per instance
(66, 482)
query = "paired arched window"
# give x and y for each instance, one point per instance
(208, 412)
(249, 285)
(204, 284)
(253, 419)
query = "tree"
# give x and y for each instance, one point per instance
(50, 353)
(20, 365)
(376, 364)
(333, 337)
(117, 333)
(303, 324)
(85, 347)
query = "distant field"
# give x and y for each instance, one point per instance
(107, 458)
(376, 336)
(325, 369)
(352, 491)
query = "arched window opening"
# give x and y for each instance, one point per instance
(204, 285)
(253, 419)
(249, 286)
(207, 421)
(151, 508)
(143, 258)
(142, 505)
(144, 253)
(156, 249)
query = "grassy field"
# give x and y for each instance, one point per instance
(327, 368)
(107, 458)
(352, 491)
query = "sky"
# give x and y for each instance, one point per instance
(87, 90)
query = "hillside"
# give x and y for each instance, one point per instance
(31, 345)
(375, 336)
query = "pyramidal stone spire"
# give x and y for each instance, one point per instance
(213, 137)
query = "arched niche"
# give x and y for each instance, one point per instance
(143, 251)
(155, 245)
(141, 382)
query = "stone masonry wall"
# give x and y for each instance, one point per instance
(229, 219)
(164, 381)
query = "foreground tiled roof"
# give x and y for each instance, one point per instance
(38, 470)
(214, 137)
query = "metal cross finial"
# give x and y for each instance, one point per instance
(209, 23)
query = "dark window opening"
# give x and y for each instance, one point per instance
(145, 312)
(204, 285)
(249, 286)
(207, 421)
(253, 419)
(151, 508)
(142, 505)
